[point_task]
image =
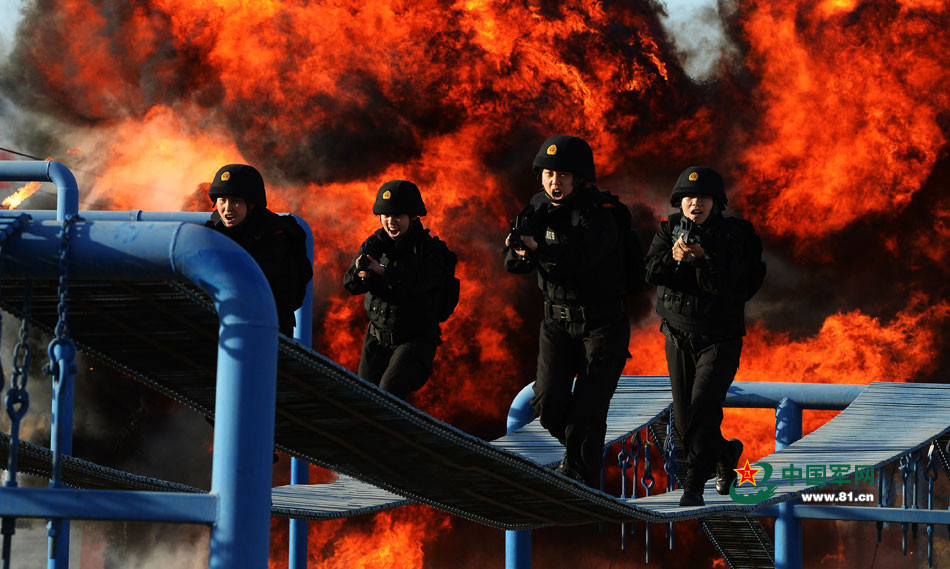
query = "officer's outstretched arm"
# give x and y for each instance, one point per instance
(515, 263)
(352, 282)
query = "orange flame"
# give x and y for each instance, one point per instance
(390, 540)
(835, 118)
(851, 94)
(17, 197)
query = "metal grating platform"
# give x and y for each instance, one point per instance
(873, 430)
(637, 402)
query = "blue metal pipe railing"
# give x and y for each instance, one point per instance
(67, 203)
(788, 529)
(300, 469)
(518, 543)
(247, 354)
(119, 505)
(67, 193)
(860, 513)
(766, 395)
(303, 334)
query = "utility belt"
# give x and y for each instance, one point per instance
(694, 341)
(385, 337)
(582, 313)
(392, 339)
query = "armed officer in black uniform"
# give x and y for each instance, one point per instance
(399, 268)
(575, 246)
(698, 260)
(276, 242)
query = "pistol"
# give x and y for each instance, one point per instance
(370, 249)
(523, 224)
(685, 228)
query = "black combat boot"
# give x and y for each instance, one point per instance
(693, 489)
(728, 462)
(567, 470)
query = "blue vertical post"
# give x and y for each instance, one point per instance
(788, 529)
(67, 202)
(297, 538)
(299, 469)
(57, 530)
(61, 442)
(243, 444)
(518, 543)
(245, 392)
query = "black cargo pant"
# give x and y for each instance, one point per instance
(595, 352)
(399, 368)
(701, 370)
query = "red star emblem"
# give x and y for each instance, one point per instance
(746, 474)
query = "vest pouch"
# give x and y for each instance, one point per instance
(673, 301)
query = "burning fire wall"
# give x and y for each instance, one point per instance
(828, 118)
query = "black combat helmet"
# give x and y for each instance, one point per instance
(699, 181)
(396, 197)
(239, 180)
(565, 153)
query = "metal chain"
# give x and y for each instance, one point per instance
(647, 481)
(671, 467)
(62, 351)
(62, 309)
(61, 331)
(905, 474)
(931, 476)
(623, 463)
(17, 402)
(915, 485)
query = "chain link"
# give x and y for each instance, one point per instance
(62, 310)
(61, 331)
(17, 400)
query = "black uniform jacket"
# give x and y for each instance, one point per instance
(579, 251)
(278, 244)
(703, 296)
(403, 300)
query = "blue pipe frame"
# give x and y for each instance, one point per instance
(246, 370)
(61, 438)
(787, 398)
(518, 543)
(303, 334)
